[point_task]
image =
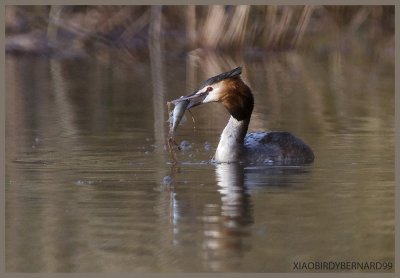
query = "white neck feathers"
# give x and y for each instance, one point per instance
(230, 146)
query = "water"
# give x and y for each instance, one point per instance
(90, 186)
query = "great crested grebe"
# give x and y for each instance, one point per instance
(271, 147)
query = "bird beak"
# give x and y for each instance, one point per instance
(196, 98)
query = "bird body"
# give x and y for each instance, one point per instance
(236, 145)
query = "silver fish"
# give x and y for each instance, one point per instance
(181, 105)
(177, 114)
(175, 118)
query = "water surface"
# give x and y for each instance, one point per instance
(90, 186)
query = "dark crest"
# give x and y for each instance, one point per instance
(212, 80)
(232, 73)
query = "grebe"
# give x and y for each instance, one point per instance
(271, 147)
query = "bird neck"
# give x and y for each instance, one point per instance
(230, 146)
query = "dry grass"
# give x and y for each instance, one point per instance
(211, 27)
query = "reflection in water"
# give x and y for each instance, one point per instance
(228, 237)
(85, 165)
(62, 104)
(236, 206)
(223, 223)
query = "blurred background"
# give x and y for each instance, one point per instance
(90, 184)
(77, 30)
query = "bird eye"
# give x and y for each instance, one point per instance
(209, 89)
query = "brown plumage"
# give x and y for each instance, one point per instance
(237, 98)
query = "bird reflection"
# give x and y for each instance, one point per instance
(228, 237)
(217, 218)
(236, 206)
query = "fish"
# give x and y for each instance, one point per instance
(177, 114)
(175, 118)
